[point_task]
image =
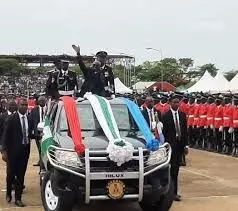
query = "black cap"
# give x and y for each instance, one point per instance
(102, 54)
(228, 97)
(163, 96)
(192, 96)
(235, 97)
(219, 97)
(175, 96)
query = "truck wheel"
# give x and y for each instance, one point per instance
(50, 201)
(164, 204)
(167, 200)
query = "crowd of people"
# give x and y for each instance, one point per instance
(23, 85)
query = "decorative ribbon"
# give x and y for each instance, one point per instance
(119, 150)
(74, 123)
(152, 143)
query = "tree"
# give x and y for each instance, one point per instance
(168, 67)
(208, 67)
(12, 67)
(185, 64)
(231, 74)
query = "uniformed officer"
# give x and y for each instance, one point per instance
(64, 81)
(227, 125)
(218, 124)
(235, 126)
(203, 123)
(163, 106)
(99, 78)
(210, 122)
(190, 121)
(51, 84)
(196, 120)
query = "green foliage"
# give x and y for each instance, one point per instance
(11, 67)
(208, 67)
(168, 69)
(231, 74)
(77, 70)
(177, 72)
(118, 71)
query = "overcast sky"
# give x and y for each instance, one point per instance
(205, 30)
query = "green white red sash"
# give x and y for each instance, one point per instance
(119, 150)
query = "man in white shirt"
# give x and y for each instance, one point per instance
(38, 115)
(175, 133)
(149, 113)
(16, 150)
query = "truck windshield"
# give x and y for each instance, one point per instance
(89, 122)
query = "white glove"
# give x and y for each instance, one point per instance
(153, 125)
(211, 126)
(160, 127)
(205, 127)
(231, 130)
(220, 129)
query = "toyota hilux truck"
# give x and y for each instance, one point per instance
(68, 179)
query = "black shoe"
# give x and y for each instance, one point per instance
(37, 164)
(177, 198)
(8, 198)
(19, 203)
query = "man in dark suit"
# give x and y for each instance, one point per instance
(99, 77)
(150, 114)
(11, 108)
(37, 115)
(16, 150)
(175, 133)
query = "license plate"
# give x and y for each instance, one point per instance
(116, 189)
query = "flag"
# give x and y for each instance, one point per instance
(47, 139)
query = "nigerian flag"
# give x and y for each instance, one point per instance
(47, 139)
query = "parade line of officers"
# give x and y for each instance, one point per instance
(212, 120)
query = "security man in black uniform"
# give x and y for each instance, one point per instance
(99, 78)
(51, 84)
(64, 80)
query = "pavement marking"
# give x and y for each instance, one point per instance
(203, 175)
(217, 179)
(10, 208)
(209, 197)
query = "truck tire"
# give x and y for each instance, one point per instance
(167, 200)
(164, 204)
(49, 200)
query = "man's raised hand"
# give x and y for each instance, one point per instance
(77, 49)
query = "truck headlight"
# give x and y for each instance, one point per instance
(67, 158)
(157, 157)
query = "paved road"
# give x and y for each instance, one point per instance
(209, 182)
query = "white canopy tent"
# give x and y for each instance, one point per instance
(234, 84)
(120, 87)
(141, 86)
(205, 84)
(221, 83)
